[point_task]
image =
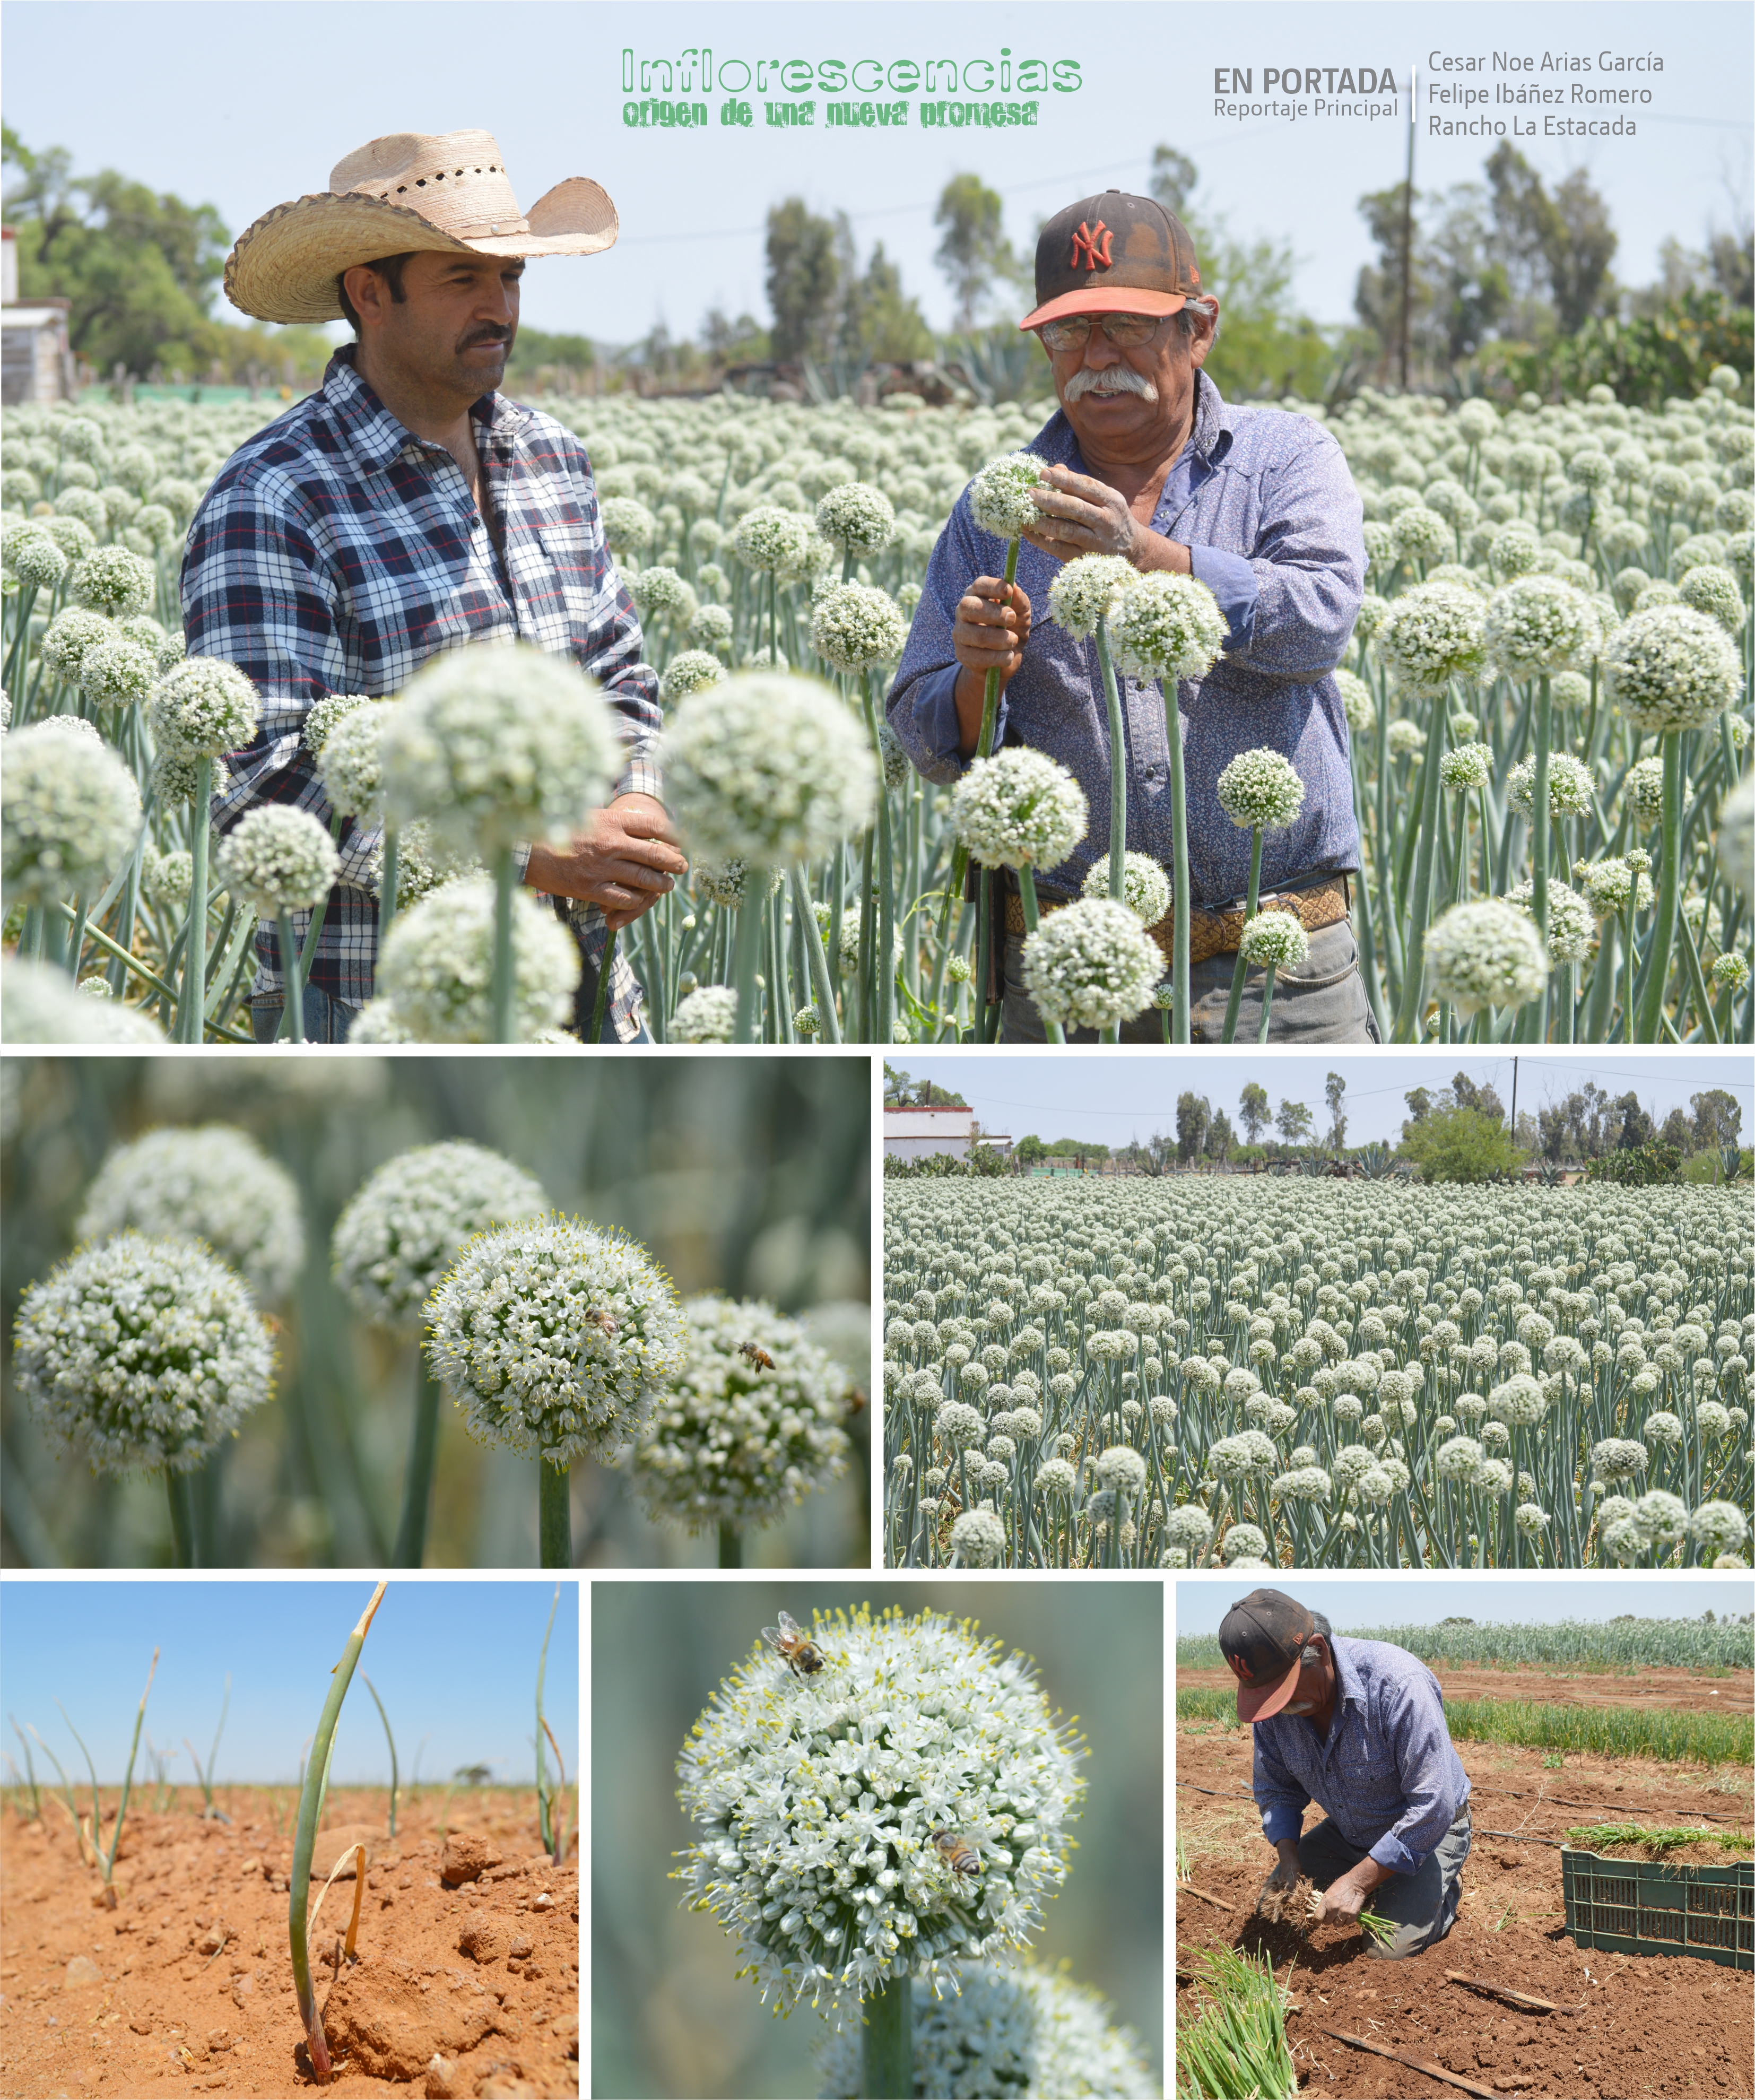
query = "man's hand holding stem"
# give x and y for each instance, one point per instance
(625, 862)
(1343, 1899)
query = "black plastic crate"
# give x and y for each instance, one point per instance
(1646, 1907)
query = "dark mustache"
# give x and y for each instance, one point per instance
(486, 335)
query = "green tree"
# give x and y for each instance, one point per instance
(1252, 1111)
(881, 322)
(1193, 1114)
(1419, 1100)
(1636, 1127)
(806, 279)
(1334, 1092)
(1220, 1137)
(973, 251)
(1294, 1122)
(1717, 1119)
(1028, 1150)
(137, 267)
(1172, 179)
(1579, 251)
(1460, 1144)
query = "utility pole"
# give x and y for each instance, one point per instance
(1513, 1101)
(1407, 225)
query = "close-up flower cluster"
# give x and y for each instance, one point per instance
(816, 1796)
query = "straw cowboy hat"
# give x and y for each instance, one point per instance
(451, 193)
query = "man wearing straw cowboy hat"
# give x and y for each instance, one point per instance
(1146, 461)
(1358, 1727)
(407, 509)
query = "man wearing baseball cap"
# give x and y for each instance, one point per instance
(1358, 1727)
(1144, 460)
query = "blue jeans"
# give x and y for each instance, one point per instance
(326, 1019)
(1421, 1906)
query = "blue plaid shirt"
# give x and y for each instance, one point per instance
(1264, 502)
(335, 553)
(1387, 1775)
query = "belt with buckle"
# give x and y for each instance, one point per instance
(1217, 932)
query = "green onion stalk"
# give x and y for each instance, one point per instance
(189, 1012)
(884, 982)
(1026, 883)
(386, 899)
(293, 1004)
(555, 1516)
(1420, 911)
(1649, 1020)
(505, 970)
(984, 748)
(180, 1489)
(410, 1548)
(313, 1788)
(1178, 824)
(806, 917)
(1542, 818)
(1242, 968)
(751, 921)
(1266, 999)
(887, 2030)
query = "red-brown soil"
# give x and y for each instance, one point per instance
(1685, 1690)
(187, 1985)
(1630, 2027)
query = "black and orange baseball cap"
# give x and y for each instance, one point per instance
(1262, 1639)
(1116, 254)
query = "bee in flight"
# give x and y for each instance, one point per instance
(803, 1657)
(856, 1401)
(958, 1853)
(605, 1324)
(755, 1356)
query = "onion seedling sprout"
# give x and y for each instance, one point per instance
(209, 1813)
(545, 1795)
(67, 1791)
(107, 1860)
(313, 1786)
(36, 1798)
(391, 1741)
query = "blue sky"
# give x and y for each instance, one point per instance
(454, 1662)
(176, 92)
(1202, 1601)
(1054, 1096)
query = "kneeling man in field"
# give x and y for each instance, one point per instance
(1357, 1726)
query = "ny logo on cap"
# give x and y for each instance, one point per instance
(1241, 1668)
(1091, 246)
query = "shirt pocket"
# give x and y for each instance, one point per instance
(558, 582)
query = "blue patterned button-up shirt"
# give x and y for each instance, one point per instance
(1387, 1775)
(1265, 503)
(335, 553)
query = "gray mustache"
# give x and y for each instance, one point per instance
(1116, 379)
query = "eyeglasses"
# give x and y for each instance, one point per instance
(1123, 330)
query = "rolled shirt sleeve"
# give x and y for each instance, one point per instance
(1280, 1797)
(1414, 1718)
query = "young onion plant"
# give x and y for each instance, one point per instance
(313, 1787)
